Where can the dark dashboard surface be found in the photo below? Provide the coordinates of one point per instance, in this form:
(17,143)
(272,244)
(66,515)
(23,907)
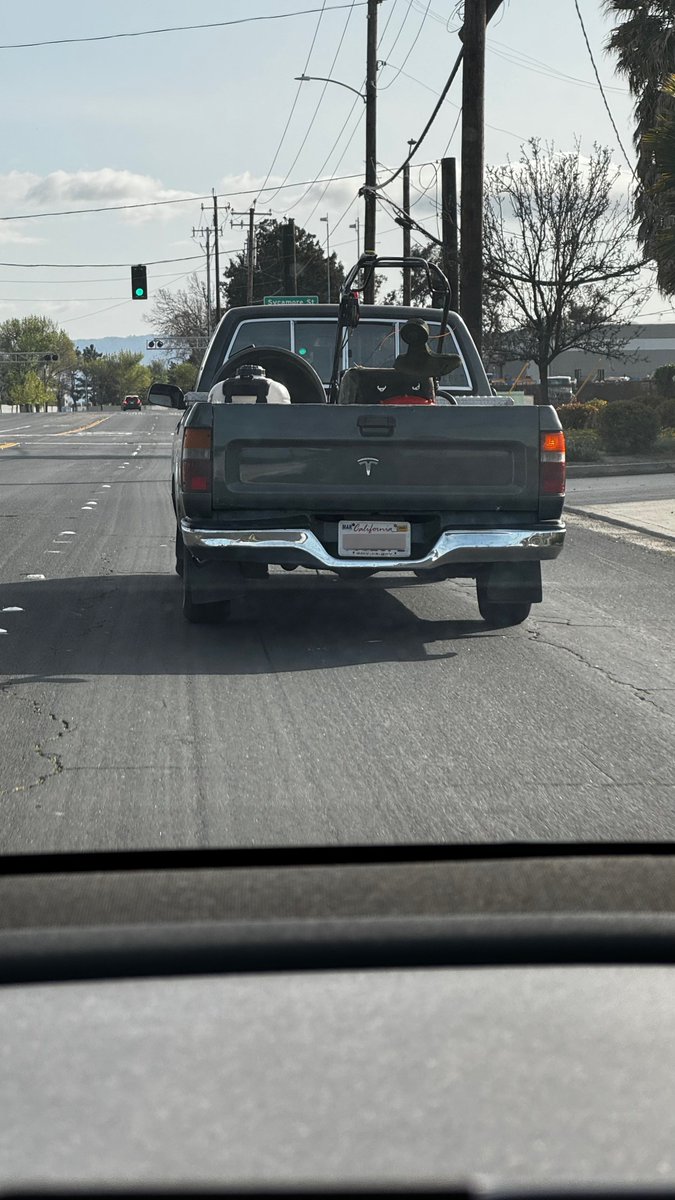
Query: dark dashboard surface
(500,1020)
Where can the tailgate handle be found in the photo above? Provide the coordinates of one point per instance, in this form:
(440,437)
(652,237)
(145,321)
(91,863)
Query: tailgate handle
(376,426)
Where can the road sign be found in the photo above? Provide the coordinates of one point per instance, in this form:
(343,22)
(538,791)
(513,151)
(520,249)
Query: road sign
(290,300)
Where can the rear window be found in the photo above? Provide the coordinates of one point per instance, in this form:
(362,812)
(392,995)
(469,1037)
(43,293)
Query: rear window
(373,344)
(261,333)
(315,341)
(459,378)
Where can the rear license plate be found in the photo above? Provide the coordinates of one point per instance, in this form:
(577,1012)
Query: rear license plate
(374,539)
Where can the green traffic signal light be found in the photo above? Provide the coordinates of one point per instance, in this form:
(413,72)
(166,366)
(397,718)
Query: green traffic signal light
(139,282)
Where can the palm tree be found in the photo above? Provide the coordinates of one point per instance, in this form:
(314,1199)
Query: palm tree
(643,41)
(661,142)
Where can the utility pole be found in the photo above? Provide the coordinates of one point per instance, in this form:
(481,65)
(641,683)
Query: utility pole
(473,113)
(370,203)
(206,234)
(250,245)
(216,255)
(406,227)
(326,222)
(449,227)
(251,254)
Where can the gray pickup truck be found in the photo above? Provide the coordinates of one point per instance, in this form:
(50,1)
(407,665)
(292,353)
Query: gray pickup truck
(454,483)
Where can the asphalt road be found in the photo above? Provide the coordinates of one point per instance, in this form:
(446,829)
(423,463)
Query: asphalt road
(321,716)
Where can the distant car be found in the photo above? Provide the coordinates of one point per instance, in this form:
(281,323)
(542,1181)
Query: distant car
(131,404)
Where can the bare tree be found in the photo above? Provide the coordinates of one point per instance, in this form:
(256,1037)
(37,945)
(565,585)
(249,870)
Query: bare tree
(183,315)
(560,252)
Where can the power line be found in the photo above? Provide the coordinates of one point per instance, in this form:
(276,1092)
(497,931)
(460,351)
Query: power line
(109,37)
(86,266)
(602,90)
(410,49)
(295,102)
(68,212)
(333,178)
(318,105)
(432,118)
(528,63)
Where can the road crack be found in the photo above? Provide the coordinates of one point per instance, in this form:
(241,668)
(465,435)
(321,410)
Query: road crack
(638,693)
(50,757)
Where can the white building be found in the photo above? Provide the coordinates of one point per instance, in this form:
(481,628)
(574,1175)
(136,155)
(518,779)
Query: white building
(647,347)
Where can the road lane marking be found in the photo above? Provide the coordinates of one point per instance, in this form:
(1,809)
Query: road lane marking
(33,576)
(67,531)
(7,445)
(12,608)
(81,428)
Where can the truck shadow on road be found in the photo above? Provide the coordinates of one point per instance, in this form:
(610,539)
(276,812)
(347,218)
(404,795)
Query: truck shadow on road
(72,629)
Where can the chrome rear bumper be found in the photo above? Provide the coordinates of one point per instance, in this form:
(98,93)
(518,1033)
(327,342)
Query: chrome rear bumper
(303,547)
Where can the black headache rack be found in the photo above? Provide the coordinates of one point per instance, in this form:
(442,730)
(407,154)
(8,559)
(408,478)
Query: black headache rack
(348,306)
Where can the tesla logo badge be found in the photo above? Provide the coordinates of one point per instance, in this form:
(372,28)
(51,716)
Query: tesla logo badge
(368,463)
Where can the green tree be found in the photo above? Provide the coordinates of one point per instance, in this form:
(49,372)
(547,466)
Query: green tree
(31,391)
(661,141)
(643,42)
(114,376)
(272,275)
(81,385)
(183,374)
(39,336)
(664,380)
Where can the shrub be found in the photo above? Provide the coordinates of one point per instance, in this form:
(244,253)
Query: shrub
(583,445)
(666,413)
(666,442)
(628,427)
(664,380)
(581,416)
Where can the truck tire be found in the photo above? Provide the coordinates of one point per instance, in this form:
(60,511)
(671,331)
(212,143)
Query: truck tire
(199,612)
(506,592)
(500,615)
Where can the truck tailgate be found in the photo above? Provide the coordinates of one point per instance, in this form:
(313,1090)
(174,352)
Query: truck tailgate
(357,458)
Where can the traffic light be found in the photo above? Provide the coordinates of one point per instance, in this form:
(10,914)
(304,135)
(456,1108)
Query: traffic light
(139,282)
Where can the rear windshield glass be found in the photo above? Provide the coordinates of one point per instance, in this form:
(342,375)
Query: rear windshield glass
(315,341)
(373,344)
(457,378)
(261,333)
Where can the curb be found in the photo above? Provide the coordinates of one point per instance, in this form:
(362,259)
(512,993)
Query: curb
(598,470)
(669,538)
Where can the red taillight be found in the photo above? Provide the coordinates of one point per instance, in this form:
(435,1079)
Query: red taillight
(552,463)
(196,460)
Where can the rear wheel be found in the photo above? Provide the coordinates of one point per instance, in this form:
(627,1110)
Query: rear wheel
(197,611)
(507,591)
(502,614)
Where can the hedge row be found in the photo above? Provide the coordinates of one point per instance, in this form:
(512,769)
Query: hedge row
(621,427)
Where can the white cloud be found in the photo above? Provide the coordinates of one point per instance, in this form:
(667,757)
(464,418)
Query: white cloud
(26,192)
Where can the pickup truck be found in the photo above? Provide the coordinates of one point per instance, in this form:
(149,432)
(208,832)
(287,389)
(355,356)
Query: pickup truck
(460,485)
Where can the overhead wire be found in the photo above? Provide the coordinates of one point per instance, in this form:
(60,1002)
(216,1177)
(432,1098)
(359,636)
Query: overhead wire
(109,37)
(411,47)
(294,104)
(602,91)
(317,106)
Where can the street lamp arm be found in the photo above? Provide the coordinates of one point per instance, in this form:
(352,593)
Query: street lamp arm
(325,79)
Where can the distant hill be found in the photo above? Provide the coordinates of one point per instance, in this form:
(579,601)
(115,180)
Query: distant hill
(113,345)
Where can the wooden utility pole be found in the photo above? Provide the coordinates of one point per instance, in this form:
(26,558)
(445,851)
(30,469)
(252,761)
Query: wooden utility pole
(406,228)
(250,261)
(370,203)
(216,254)
(473,107)
(449,227)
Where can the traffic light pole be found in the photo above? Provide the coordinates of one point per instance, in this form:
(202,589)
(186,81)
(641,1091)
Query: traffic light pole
(406,232)
(371,145)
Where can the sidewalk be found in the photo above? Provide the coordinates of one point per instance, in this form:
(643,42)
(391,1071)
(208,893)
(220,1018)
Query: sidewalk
(619,465)
(653,517)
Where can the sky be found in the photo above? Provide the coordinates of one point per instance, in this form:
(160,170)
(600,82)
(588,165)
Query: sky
(177,115)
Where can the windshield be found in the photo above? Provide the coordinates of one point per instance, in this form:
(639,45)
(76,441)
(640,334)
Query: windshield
(274,621)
